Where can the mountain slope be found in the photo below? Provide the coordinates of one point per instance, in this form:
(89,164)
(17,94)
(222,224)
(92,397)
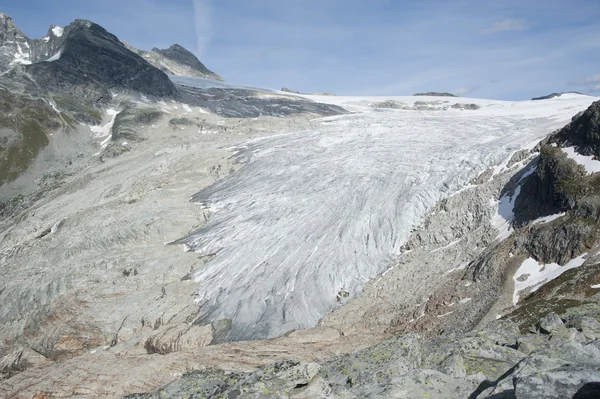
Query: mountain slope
(77,74)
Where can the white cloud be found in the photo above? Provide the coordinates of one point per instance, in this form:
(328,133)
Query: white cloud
(506,25)
(463,91)
(590,80)
(202,19)
(592,83)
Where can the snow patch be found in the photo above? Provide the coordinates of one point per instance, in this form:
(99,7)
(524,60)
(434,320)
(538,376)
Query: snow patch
(588,162)
(460,267)
(595,286)
(46,39)
(55,226)
(58,31)
(505,215)
(21,57)
(548,219)
(449,245)
(104,132)
(532,275)
(55,57)
(527,173)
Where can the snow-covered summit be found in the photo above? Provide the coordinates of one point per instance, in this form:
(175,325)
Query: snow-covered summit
(57,30)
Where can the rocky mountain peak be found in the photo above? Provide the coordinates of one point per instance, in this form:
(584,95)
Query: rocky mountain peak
(583,132)
(185,58)
(89,60)
(55,30)
(14,45)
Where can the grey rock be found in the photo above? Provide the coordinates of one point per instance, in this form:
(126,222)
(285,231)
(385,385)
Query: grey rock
(466,107)
(531,343)
(573,352)
(590,327)
(551,323)
(561,382)
(454,366)
(420,384)
(499,332)
(481,356)
(387,360)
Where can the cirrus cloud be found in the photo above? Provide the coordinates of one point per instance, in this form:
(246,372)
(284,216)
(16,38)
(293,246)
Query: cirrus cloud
(505,26)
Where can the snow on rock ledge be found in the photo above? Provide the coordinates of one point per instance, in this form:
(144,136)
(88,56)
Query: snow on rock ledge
(532,275)
(590,164)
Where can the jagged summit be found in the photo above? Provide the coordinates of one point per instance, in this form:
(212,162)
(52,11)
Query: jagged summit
(14,45)
(86,60)
(17,49)
(176,60)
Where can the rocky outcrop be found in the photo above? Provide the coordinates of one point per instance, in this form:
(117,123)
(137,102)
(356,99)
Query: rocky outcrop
(285,89)
(583,132)
(554,95)
(496,361)
(435,94)
(437,105)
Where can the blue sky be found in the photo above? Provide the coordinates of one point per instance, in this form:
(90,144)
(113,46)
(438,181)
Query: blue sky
(504,49)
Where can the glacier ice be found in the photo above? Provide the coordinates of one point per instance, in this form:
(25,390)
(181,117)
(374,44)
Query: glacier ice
(314,213)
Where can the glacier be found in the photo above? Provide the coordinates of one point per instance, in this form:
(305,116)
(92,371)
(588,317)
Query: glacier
(313,215)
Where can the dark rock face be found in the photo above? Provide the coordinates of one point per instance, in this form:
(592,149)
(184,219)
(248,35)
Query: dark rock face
(551,189)
(553,95)
(238,103)
(183,56)
(560,242)
(583,132)
(90,57)
(435,94)
(82,61)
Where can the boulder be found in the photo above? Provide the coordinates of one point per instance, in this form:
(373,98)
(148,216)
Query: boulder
(562,382)
(550,323)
